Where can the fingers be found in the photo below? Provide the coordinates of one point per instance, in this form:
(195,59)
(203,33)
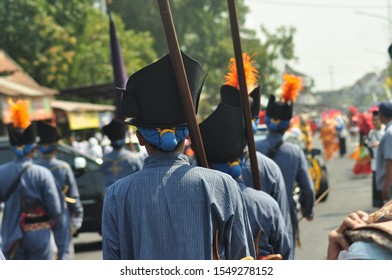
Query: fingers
(353,221)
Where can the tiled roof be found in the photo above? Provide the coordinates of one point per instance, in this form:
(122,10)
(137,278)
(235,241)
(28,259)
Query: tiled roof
(14,81)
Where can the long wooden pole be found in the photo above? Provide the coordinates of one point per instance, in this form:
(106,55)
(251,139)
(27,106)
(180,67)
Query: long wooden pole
(182,81)
(244,94)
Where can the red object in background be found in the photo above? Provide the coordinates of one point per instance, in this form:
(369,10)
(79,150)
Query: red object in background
(353,110)
(262,114)
(365,122)
(313,126)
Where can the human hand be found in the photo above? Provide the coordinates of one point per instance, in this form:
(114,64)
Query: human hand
(336,240)
(76,223)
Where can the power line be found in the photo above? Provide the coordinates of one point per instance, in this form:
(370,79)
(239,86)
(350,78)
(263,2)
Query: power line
(312,5)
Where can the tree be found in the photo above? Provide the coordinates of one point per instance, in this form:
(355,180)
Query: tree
(203,31)
(66,43)
(92,63)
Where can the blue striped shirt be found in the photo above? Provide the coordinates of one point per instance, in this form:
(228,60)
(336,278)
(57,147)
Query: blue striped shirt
(293,164)
(171,210)
(38,189)
(264,214)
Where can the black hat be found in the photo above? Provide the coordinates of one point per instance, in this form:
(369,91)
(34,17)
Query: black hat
(279,110)
(19,137)
(152,97)
(231,96)
(47,133)
(223,134)
(115,130)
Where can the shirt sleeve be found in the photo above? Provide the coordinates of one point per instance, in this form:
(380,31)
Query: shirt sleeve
(239,235)
(75,208)
(387,146)
(110,232)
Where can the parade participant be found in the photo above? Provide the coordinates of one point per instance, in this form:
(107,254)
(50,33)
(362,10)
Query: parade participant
(373,140)
(307,135)
(272,181)
(289,157)
(170,209)
(223,134)
(384,154)
(72,210)
(328,135)
(32,202)
(341,133)
(120,162)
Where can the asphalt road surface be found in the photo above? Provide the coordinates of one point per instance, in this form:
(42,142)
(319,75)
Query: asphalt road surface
(347,193)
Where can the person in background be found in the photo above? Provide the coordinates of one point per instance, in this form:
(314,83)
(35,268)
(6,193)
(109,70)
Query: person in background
(120,162)
(71,207)
(223,135)
(32,202)
(289,157)
(272,181)
(373,140)
(170,209)
(384,153)
(341,132)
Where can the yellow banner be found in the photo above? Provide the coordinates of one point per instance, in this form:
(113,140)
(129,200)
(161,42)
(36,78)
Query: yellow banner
(83,120)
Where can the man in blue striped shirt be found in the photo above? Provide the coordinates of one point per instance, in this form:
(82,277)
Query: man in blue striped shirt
(170,209)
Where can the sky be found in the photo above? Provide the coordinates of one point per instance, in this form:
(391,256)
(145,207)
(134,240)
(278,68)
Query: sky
(337,41)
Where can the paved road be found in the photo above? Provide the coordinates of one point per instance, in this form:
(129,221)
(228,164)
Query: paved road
(348,193)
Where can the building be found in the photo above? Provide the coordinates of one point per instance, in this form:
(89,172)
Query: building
(15,83)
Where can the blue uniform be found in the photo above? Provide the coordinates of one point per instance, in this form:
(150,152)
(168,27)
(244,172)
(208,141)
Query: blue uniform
(272,182)
(118,164)
(171,210)
(38,196)
(293,164)
(67,187)
(264,214)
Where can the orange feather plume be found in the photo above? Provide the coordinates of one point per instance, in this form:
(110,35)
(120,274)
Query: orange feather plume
(250,72)
(291,87)
(20,114)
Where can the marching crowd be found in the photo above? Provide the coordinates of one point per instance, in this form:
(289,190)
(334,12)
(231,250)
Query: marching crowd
(166,207)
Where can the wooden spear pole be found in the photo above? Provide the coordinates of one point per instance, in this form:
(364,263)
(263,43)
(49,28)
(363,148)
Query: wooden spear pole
(244,94)
(182,81)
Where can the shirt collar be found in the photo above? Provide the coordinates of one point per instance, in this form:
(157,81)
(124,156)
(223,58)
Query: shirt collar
(165,159)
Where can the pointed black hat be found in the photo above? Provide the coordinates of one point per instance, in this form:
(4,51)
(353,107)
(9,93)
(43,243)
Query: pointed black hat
(47,133)
(279,110)
(152,97)
(115,130)
(231,96)
(19,137)
(223,134)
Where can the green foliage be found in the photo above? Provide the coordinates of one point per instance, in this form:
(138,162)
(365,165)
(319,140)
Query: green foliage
(66,43)
(203,30)
(92,63)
